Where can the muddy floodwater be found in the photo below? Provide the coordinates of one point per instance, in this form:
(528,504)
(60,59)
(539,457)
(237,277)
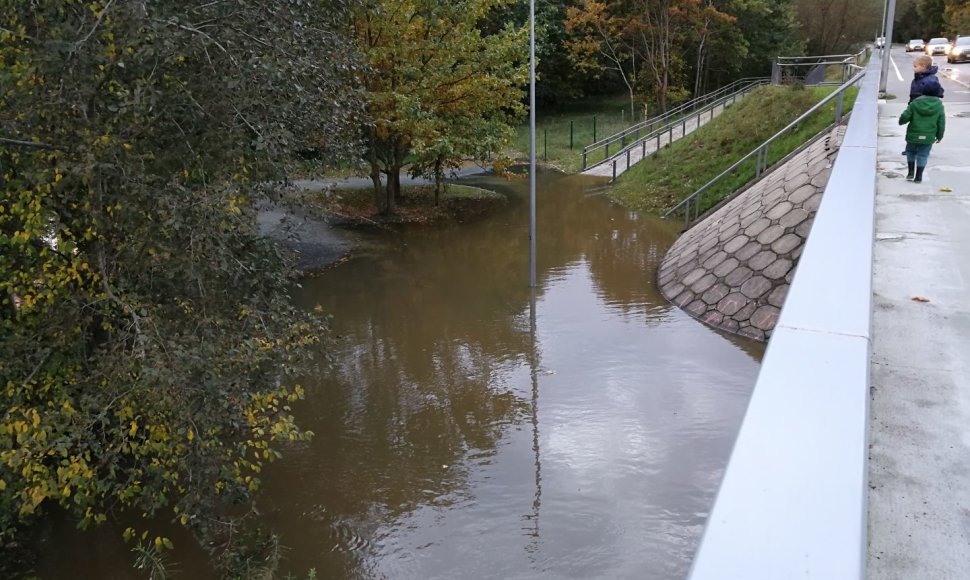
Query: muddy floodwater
(469,428)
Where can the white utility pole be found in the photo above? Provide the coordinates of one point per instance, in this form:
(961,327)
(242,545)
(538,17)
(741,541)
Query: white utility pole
(887,45)
(532,143)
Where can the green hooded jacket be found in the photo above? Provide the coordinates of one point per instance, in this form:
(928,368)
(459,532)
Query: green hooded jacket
(926,120)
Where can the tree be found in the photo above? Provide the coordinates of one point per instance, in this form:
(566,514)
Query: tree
(707,20)
(643,41)
(432,70)
(834,26)
(746,47)
(933,14)
(601,41)
(148,342)
(957,17)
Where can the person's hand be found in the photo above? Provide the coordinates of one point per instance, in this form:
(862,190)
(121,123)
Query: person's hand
(938,140)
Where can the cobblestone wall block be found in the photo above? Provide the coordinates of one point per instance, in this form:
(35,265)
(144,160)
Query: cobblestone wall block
(733,269)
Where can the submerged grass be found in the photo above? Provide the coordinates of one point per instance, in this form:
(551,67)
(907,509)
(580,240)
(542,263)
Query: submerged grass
(678,170)
(416,206)
(611,114)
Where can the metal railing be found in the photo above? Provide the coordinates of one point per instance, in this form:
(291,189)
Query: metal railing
(662,123)
(789,69)
(691,205)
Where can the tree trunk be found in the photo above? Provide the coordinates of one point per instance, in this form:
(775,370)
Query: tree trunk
(390,198)
(375,170)
(437,182)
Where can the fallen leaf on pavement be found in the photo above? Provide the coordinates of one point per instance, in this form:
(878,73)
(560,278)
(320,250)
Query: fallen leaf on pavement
(945,189)
(920,299)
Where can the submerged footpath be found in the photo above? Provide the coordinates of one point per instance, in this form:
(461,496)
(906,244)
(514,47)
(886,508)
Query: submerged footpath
(318,222)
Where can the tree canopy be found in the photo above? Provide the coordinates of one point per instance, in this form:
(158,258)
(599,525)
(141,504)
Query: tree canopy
(438,86)
(147,342)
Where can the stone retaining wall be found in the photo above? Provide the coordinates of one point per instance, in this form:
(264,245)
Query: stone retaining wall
(732,270)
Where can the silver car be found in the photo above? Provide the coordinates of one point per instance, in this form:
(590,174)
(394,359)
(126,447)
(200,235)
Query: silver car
(915,45)
(937,46)
(960,51)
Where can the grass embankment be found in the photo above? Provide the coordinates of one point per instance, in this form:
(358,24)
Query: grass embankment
(612,115)
(678,170)
(416,206)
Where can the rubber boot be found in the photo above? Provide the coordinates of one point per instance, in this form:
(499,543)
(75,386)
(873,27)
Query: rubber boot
(910,165)
(919,175)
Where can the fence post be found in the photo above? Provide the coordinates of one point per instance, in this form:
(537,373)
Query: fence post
(614,170)
(594,128)
(570,135)
(584,159)
(643,149)
(545,144)
(838,108)
(607,154)
(628,159)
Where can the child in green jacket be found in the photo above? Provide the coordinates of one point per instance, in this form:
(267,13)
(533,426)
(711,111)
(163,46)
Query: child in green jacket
(926,124)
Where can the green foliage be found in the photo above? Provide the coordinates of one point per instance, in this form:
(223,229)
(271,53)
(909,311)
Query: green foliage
(665,178)
(438,87)
(932,14)
(147,342)
(838,26)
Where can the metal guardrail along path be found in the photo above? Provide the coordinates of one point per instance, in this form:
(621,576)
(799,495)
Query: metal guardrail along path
(691,206)
(633,143)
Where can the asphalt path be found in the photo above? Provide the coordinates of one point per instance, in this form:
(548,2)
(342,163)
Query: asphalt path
(955,78)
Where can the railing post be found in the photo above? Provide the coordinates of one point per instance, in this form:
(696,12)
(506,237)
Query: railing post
(594,128)
(643,149)
(628,159)
(570,135)
(838,108)
(607,155)
(614,170)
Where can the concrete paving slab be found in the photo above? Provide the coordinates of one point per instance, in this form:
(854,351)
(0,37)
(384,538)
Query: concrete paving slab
(919,468)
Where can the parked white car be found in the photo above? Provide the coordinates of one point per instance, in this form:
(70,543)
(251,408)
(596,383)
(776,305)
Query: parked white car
(937,46)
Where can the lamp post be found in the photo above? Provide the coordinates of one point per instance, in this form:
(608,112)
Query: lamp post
(532,144)
(888,44)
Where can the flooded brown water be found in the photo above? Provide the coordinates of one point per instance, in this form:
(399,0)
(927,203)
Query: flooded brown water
(467,430)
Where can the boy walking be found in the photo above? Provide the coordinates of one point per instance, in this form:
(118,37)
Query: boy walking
(927,123)
(924,78)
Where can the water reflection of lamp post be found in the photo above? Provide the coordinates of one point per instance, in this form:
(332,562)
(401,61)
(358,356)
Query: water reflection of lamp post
(532,143)
(533,531)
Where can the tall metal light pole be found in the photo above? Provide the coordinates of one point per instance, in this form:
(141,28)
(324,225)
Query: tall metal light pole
(532,143)
(887,45)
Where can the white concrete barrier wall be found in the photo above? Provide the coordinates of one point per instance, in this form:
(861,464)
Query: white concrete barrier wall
(793,500)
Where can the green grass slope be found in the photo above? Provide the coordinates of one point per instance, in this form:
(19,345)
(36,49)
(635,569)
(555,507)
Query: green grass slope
(670,175)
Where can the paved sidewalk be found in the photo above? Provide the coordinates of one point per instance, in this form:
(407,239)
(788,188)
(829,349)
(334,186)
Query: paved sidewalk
(919,471)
